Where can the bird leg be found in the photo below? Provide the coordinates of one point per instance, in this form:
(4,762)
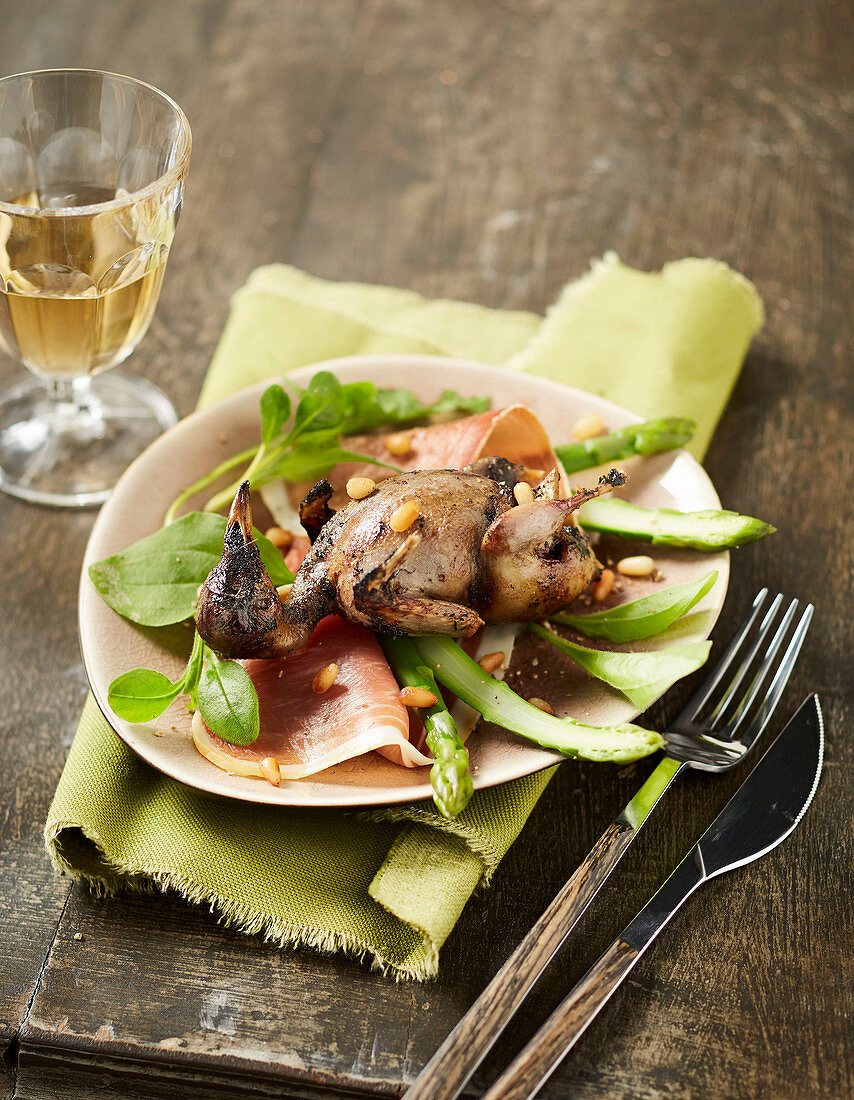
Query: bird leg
(239,613)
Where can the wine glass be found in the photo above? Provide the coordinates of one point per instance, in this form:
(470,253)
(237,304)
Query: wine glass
(92,170)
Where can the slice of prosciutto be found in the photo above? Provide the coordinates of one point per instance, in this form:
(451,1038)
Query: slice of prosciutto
(306,732)
(512,432)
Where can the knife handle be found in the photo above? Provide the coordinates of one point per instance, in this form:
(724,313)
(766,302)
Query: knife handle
(450,1068)
(531,1069)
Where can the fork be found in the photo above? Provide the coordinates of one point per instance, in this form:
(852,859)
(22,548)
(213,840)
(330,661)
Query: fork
(715,742)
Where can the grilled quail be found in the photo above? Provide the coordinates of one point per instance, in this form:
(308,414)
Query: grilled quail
(470,555)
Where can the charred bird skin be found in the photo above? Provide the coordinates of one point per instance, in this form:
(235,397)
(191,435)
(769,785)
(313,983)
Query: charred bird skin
(472,555)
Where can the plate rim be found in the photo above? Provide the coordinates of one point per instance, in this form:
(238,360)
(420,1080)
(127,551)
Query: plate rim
(352,799)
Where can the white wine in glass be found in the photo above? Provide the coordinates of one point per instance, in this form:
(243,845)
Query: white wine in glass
(92,170)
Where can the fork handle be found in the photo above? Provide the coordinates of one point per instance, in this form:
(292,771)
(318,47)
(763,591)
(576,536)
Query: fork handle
(450,1068)
(529,1071)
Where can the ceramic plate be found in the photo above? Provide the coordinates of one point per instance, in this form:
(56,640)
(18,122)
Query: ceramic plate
(192,448)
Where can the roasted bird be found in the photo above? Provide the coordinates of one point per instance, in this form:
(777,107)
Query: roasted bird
(427,552)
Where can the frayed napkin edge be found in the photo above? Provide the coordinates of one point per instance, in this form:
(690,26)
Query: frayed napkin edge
(140,879)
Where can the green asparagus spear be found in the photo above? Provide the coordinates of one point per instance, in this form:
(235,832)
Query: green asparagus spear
(637,439)
(452,785)
(498,703)
(708,530)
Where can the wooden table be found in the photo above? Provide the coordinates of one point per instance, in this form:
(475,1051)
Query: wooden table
(485,151)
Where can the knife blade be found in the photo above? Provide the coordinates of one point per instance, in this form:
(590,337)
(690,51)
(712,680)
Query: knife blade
(764,810)
(759,816)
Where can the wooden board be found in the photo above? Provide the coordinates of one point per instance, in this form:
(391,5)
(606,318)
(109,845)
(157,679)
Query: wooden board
(484,151)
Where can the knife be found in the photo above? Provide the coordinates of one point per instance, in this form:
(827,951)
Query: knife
(760,815)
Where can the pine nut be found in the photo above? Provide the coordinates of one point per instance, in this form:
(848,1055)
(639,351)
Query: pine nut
(588,426)
(324,679)
(403,517)
(269,768)
(491,661)
(398,443)
(360,487)
(604,585)
(541,704)
(523,493)
(284,591)
(279,537)
(417,697)
(639,566)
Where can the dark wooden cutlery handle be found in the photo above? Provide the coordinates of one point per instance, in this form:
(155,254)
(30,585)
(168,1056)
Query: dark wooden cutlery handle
(447,1072)
(524,1076)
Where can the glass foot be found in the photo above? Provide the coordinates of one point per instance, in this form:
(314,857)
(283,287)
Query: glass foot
(67,445)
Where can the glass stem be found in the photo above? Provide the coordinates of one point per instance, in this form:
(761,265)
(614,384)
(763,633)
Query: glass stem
(75,393)
(61,390)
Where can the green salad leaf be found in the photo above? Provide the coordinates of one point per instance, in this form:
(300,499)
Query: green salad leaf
(641,677)
(326,412)
(142,694)
(638,619)
(275,412)
(228,701)
(156,580)
(399,407)
(193,672)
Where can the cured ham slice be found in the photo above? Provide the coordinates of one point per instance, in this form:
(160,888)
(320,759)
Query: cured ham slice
(307,733)
(300,547)
(361,712)
(512,432)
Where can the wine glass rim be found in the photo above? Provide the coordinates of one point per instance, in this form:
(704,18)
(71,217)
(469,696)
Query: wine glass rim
(175,172)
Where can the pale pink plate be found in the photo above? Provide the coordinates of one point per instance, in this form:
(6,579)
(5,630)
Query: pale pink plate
(192,448)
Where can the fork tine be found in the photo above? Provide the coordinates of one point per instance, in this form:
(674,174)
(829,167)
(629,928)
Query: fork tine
(701,696)
(763,637)
(754,686)
(778,683)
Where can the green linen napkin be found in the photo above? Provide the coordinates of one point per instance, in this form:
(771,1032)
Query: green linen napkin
(388,886)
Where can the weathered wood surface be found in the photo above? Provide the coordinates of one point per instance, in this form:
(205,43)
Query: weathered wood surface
(484,151)
(536,1062)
